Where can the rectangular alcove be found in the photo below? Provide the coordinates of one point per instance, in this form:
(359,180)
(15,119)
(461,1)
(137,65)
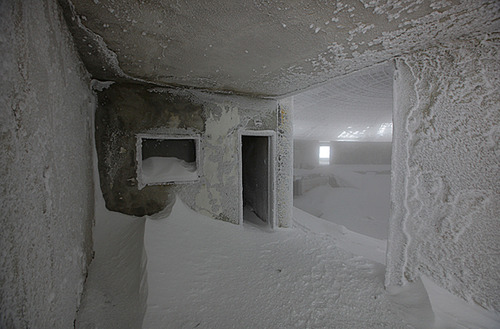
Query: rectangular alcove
(166,159)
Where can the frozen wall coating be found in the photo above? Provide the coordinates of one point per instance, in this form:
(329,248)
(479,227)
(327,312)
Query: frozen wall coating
(46,189)
(446,217)
(284,154)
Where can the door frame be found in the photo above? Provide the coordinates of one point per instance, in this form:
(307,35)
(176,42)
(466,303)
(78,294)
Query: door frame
(271,153)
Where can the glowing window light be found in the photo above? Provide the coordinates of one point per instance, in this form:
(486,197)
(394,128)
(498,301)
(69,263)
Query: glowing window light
(324,154)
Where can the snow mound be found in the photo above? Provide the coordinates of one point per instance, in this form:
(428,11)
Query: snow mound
(360,201)
(167,169)
(205,273)
(359,244)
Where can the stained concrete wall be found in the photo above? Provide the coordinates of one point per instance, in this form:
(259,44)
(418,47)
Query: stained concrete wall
(46,186)
(305,154)
(361,153)
(125,110)
(445,192)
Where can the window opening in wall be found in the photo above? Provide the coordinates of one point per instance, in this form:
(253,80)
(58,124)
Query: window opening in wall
(324,155)
(167,159)
(257,182)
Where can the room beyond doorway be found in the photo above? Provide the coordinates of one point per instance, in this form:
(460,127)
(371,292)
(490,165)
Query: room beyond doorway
(343,149)
(257,178)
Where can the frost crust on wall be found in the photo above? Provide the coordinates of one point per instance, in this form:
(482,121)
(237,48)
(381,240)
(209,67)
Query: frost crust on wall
(446,196)
(46,186)
(284,177)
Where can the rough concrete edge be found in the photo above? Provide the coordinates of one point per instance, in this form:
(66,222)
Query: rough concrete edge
(284,152)
(398,240)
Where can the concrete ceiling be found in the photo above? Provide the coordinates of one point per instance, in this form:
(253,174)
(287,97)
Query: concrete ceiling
(355,107)
(264,48)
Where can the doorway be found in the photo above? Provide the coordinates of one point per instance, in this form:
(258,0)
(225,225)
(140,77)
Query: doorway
(257,178)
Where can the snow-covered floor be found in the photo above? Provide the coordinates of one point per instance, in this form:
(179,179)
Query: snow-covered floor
(361,202)
(204,273)
(212,274)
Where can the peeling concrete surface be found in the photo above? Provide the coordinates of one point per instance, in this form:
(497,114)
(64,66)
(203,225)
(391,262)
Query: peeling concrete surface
(218,192)
(126,110)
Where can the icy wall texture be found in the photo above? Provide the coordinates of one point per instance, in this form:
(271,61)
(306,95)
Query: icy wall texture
(284,158)
(446,201)
(128,109)
(46,186)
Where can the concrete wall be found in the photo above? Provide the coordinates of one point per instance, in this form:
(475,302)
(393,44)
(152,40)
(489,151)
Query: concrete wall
(445,184)
(128,109)
(361,153)
(46,185)
(305,154)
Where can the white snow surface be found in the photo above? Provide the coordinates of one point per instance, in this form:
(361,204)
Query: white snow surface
(361,202)
(211,274)
(167,169)
(205,273)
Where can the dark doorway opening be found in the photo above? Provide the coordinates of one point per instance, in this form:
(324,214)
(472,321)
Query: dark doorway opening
(256,180)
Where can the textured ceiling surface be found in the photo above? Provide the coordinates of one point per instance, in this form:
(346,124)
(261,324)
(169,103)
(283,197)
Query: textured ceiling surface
(356,107)
(266,48)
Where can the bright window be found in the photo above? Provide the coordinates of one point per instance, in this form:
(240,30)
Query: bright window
(324,154)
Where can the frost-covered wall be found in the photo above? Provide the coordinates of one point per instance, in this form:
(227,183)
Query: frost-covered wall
(446,202)
(46,185)
(126,110)
(284,158)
